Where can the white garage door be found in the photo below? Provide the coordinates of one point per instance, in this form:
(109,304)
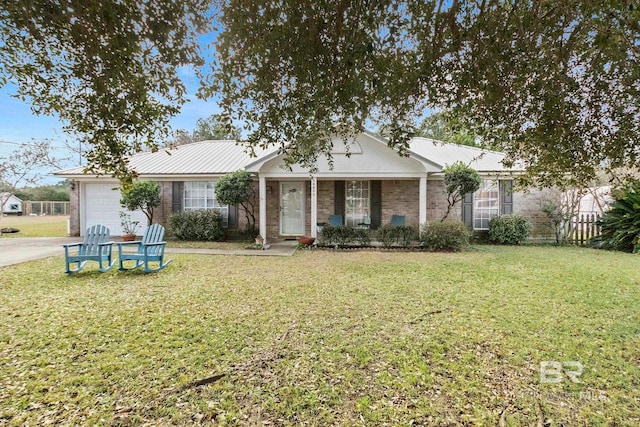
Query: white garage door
(102,206)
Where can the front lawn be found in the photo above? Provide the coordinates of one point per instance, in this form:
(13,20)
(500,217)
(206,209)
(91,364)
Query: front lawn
(35,226)
(326,338)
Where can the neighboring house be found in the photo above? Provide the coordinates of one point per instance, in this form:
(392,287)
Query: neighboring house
(371,182)
(11,204)
(594,201)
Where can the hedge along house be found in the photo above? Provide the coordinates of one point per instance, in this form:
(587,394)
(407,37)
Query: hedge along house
(368,184)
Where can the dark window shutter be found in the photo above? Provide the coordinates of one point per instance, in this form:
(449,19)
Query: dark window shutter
(467,210)
(177,195)
(233,217)
(376,204)
(506,196)
(339,198)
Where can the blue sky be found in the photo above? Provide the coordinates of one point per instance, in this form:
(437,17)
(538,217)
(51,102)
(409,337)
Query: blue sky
(19,125)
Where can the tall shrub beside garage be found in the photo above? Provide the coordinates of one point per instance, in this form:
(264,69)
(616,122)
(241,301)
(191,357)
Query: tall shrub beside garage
(142,195)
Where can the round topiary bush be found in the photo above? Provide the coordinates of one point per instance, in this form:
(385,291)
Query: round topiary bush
(509,229)
(445,236)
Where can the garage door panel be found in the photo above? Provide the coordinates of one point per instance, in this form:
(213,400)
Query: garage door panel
(102,206)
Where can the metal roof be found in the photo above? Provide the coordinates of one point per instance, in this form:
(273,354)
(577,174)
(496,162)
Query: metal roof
(198,158)
(222,157)
(445,154)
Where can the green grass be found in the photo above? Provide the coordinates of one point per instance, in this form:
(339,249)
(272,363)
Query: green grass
(326,338)
(35,226)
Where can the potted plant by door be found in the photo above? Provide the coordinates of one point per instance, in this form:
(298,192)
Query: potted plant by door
(259,240)
(129,227)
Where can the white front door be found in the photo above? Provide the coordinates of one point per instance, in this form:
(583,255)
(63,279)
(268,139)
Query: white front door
(292,208)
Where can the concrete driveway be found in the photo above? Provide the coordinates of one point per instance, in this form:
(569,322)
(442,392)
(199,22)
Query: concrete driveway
(21,249)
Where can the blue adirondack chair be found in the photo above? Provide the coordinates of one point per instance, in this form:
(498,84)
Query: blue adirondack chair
(149,250)
(335,220)
(397,220)
(95,247)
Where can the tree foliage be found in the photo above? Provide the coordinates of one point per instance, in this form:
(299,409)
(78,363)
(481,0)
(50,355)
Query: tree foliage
(213,128)
(553,83)
(236,188)
(107,68)
(57,193)
(459,180)
(143,195)
(443,127)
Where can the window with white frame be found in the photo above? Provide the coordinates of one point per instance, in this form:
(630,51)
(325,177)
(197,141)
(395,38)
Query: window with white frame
(357,202)
(202,195)
(486,204)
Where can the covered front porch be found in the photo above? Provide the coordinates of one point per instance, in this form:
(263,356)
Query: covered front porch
(295,207)
(366,182)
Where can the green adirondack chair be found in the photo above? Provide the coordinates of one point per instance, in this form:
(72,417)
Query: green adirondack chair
(95,247)
(149,250)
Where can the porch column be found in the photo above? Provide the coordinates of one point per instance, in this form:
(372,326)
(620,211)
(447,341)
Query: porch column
(314,206)
(262,191)
(422,212)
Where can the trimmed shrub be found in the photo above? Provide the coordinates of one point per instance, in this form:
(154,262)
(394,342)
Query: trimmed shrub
(361,235)
(509,229)
(342,236)
(390,235)
(202,225)
(407,235)
(386,235)
(445,236)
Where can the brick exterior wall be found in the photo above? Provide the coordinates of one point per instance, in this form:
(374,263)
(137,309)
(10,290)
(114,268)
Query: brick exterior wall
(164,211)
(437,202)
(530,204)
(399,197)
